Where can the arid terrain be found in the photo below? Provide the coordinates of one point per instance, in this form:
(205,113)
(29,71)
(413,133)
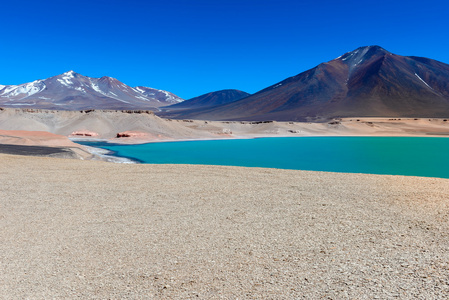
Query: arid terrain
(96,230)
(92,229)
(144,126)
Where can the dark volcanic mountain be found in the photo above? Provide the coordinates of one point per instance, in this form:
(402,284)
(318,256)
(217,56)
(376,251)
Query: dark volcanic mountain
(368,81)
(208,100)
(73,91)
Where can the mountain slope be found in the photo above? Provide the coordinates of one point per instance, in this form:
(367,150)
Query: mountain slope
(160,95)
(368,81)
(208,100)
(73,91)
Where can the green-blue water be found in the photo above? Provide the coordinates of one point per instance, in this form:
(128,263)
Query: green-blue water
(375,155)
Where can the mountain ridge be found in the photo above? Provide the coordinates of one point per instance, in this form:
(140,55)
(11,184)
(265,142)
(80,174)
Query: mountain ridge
(369,81)
(73,91)
(366,82)
(208,100)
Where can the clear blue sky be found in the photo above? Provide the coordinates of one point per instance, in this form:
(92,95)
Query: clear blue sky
(191,47)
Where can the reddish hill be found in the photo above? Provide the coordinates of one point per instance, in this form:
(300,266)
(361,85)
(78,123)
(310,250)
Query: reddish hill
(368,81)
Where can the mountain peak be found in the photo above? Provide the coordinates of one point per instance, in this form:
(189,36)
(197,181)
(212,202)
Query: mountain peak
(70,73)
(362,54)
(107,78)
(372,47)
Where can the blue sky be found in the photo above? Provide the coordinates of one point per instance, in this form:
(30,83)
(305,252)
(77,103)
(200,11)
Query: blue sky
(191,47)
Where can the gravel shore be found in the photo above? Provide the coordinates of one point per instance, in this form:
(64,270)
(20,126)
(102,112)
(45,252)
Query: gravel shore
(33,150)
(90,229)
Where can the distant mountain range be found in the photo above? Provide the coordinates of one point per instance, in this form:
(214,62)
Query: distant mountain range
(368,81)
(207,100)
(73,91)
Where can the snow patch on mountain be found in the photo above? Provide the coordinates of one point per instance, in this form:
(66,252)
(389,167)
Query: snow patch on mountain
(109,94)
(23,90)
(70,73)
(80,89)
(139,90)
(146,99)
(424,82)
(96,87)
(159,95)
(66,78)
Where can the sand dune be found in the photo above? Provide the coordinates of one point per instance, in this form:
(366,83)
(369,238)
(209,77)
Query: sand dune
(86,229)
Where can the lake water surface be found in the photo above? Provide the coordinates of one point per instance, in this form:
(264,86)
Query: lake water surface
(417,156)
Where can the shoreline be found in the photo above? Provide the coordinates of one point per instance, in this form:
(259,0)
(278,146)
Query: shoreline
(150,141)
(113,142)
(110,156)
(131,129)
(424,166)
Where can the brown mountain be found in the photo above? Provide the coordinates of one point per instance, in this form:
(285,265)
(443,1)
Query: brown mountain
(368,81)
(206,100)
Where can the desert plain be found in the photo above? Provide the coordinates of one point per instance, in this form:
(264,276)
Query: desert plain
(144,126)
(79,228)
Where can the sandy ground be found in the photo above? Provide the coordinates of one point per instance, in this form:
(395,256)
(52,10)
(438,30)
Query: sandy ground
(87,229)
(34,138)
(146,127)
(42,143)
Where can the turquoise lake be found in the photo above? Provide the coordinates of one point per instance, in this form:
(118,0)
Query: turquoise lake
(417,156)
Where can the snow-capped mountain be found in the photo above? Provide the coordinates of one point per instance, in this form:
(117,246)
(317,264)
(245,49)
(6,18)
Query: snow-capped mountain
(73,91)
